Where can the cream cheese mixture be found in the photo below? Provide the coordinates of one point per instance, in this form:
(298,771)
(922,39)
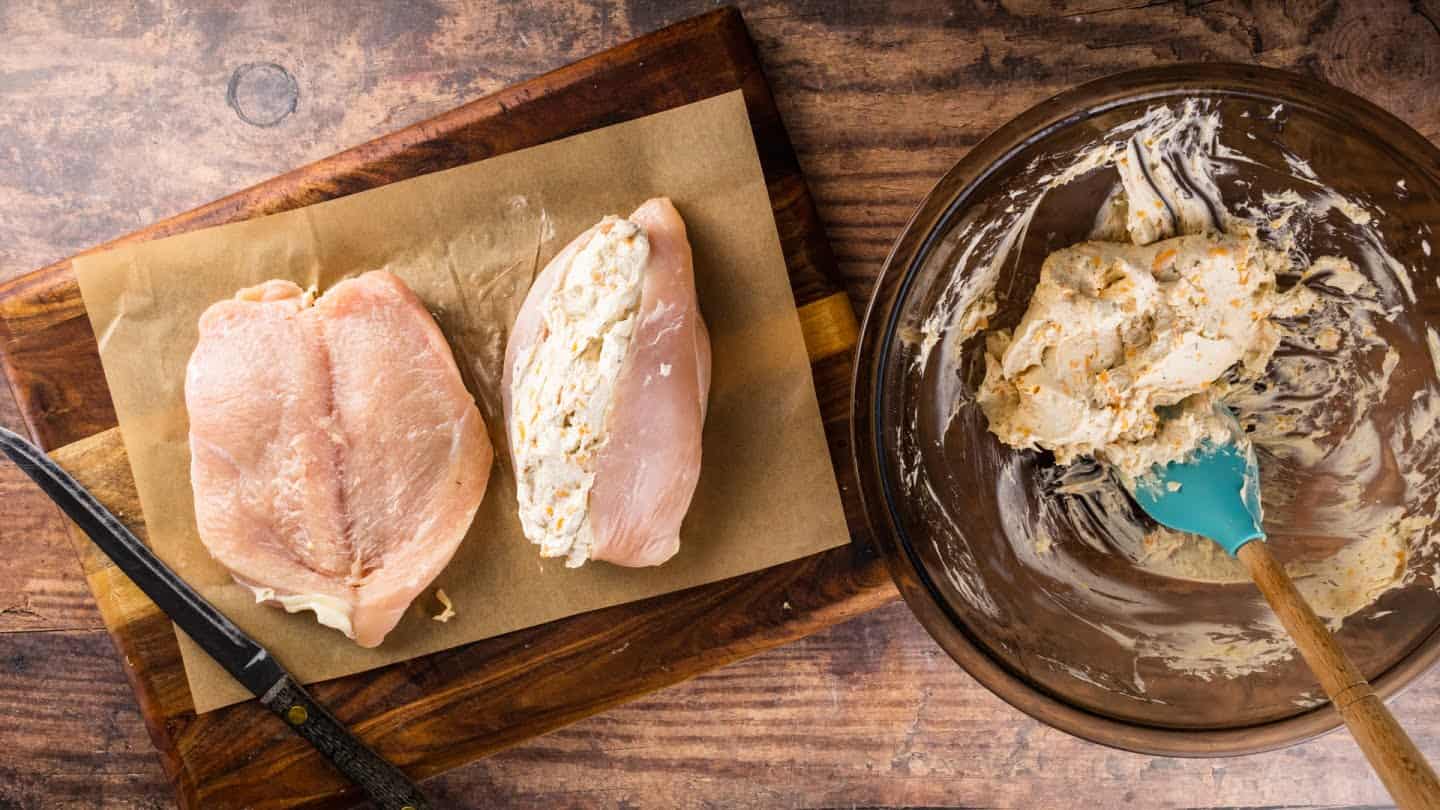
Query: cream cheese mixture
(1121,350)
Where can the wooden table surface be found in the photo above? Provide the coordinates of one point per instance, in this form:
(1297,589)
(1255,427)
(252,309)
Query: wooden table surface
(115,114)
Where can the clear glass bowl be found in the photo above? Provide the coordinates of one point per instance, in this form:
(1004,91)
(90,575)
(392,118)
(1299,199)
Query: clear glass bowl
(1037,644)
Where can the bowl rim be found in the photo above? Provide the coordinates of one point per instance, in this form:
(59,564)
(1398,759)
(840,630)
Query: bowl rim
(924,228)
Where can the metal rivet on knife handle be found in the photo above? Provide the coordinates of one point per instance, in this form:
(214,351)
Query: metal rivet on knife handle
(296,715)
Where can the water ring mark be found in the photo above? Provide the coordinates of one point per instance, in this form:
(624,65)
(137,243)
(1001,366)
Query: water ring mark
(262,94)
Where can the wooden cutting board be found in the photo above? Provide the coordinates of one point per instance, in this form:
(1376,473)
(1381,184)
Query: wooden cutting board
(448,708)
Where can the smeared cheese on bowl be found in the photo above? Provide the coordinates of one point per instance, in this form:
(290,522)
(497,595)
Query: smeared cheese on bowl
(566,384)
(1176,302)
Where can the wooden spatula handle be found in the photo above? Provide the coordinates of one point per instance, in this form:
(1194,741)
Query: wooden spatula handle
(1400,765)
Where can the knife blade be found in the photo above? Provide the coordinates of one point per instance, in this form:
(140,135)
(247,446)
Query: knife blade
(241,656)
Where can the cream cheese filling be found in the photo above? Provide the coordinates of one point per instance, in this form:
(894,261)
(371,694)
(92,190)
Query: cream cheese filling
(1123,348)
(564,384)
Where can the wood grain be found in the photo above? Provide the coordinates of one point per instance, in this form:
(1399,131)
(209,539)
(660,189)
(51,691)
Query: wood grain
(829,326)
(879,98)
(40,586)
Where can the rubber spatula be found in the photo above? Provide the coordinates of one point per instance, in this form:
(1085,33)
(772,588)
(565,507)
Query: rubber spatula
(1216,493)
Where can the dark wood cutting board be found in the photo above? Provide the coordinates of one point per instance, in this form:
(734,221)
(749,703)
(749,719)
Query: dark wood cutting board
(448,708)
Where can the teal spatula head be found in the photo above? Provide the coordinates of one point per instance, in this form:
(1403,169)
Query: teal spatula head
(1215,493)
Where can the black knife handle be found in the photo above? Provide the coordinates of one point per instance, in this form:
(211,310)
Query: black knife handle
(382,782)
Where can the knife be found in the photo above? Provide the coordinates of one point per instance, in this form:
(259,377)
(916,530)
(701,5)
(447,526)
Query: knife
(240,655)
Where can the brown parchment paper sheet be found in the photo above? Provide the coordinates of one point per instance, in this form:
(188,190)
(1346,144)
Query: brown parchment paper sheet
(468,241)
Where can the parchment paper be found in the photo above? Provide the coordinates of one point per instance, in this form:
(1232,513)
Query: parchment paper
(469,241)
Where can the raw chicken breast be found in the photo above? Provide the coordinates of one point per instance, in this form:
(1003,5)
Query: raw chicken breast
(607,373)
(336,457)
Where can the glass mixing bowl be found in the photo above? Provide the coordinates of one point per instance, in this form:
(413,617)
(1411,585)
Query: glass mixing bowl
(947,516)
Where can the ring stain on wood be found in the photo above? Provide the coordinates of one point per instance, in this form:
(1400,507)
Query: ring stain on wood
(262,93)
